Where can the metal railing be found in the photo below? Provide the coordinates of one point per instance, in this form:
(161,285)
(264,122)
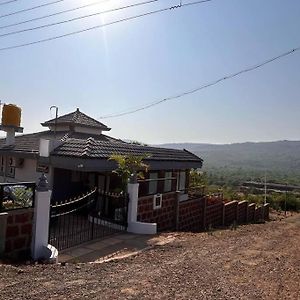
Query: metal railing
(17,195)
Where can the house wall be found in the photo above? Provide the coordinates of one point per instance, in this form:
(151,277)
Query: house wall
(27,172)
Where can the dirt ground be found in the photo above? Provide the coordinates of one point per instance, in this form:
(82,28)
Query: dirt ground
(259,261)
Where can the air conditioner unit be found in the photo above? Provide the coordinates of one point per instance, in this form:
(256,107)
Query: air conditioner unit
(19,162)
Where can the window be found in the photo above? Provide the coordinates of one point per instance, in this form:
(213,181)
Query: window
(10,172)
(168,182)
(153,183)
(157,201)
(2,165)
(181,180)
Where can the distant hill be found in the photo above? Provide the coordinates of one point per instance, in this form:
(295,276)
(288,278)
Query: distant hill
(281,157)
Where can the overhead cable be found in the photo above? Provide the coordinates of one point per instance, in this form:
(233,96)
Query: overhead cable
(78,18)
(103,25)
(54,14)
(31,8)
(215,82)
(8,2)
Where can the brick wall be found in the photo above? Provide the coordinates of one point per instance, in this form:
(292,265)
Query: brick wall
(190,216)
(266,211)
(251,212)
(165,217)
(258,215)
(196,214)
(19,232)
(230,212)
(242,212)
(214,214)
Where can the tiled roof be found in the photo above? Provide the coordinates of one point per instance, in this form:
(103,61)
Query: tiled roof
(29,143)
(83,145)
(77,118)
(99,149)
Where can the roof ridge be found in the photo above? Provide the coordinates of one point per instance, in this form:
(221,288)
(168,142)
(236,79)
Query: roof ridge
(87,150)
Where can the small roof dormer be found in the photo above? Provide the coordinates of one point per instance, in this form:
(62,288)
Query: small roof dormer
(76,121)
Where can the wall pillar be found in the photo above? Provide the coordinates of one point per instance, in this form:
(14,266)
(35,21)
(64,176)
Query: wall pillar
(3,225)
(41,220)
(133,191)
(133,225)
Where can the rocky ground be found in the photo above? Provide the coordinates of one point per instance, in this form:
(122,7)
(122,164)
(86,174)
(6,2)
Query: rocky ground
(259,261)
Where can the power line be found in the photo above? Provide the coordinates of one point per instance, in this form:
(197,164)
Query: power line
(8,2)
(249,69)
(103,25)
(54,14)
(31,8)
(78,18)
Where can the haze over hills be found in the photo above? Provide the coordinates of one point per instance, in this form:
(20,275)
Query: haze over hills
(280,157)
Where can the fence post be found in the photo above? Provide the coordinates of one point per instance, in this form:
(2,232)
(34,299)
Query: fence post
(223,217)
(247,212)
(237,212)
(41,220)
(3,225)
(177,211)
(133,192)
(204,213)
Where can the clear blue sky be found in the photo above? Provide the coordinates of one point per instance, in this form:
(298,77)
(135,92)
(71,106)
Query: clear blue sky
(133,63)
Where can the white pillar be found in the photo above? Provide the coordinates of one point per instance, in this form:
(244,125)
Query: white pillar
(41,224)
(40,233)
(133,191)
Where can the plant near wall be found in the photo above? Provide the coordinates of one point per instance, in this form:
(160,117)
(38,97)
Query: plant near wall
(130,168)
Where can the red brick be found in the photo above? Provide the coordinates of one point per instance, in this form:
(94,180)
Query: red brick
(10,220)
(22,218)
(19,243)
(26,229)
(28,242)
(8,246)
(12,231)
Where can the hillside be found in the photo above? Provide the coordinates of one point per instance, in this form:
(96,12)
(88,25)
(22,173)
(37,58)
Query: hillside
(281,160)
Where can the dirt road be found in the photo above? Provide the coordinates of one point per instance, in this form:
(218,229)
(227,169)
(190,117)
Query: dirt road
(260,261)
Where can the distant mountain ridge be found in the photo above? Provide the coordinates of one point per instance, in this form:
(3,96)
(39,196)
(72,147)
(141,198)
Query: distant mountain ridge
(279,156)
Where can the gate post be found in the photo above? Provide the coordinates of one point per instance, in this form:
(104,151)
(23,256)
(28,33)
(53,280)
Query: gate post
(41,218)
(133,191)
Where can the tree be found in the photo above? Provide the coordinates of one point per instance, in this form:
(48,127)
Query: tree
(129,167)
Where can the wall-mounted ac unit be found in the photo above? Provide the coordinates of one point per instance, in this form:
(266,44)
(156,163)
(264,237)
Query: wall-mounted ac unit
(19,162)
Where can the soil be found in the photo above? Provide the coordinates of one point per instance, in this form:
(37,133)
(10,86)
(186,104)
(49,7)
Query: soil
(257,261)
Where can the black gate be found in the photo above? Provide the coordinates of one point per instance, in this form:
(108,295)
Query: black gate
(91,216)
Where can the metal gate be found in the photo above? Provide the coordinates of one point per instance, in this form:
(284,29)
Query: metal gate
(92,216)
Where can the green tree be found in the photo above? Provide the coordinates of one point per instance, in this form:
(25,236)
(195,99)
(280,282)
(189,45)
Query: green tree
(129,168)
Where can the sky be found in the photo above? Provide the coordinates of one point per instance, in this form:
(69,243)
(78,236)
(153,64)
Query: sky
(130,64)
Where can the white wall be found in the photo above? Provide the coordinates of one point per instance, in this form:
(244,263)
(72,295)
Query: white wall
(28,173)
(87,130)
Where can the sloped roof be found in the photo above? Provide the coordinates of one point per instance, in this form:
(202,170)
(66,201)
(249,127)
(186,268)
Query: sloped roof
(100,149)
(77,118)
(29,143)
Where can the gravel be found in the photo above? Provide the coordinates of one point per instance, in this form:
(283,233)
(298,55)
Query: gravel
(258,261)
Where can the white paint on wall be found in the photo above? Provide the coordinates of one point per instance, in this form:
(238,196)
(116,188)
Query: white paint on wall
(28,173)
(87,130)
